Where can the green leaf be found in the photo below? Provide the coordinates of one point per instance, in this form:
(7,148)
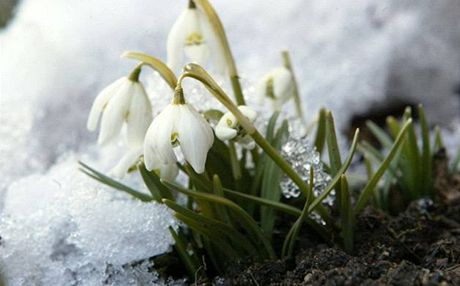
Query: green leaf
(426,165)
(181,248)
(247,222)
(154,185)
(216,227)
(113,183)
(370,186)
(332,146)
(338,175)
(346,216)
(270,182)
(320,136)
(289,242)
(379,134)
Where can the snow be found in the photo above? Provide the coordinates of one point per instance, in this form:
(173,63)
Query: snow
(64,225)
(59,227)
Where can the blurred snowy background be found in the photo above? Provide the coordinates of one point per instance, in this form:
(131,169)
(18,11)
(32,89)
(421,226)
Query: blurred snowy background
(58,227)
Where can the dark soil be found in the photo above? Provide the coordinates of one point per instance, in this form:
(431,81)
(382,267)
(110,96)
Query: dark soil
(419,246)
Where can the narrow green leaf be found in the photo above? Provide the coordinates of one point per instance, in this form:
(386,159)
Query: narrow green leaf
(154,185)
(113,183)
(254,231)
(232,235)
(181,249)
(426,164)
(320,136)
(346,216)
(338,175)
(370,186)
(332,146)
(455,165)
(270,188)
(438,143)
(379,134)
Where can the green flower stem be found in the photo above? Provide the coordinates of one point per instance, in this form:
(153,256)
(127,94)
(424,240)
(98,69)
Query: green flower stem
(236,168)
(218,28)
(156,64)
(298,103)
(134,75)
(197,72)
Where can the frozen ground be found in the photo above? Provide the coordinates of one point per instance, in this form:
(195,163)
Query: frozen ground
(56,55)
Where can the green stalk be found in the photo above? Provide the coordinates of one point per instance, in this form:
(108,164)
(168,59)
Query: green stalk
(156,64)
(218,28)
(298,103)
(236,168)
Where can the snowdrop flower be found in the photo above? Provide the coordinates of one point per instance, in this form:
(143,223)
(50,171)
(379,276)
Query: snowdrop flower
(192,36)
(277,86)
(179,124)
(228,127)
(125,100)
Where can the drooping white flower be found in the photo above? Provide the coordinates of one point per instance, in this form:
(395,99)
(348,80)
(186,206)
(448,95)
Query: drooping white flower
(193,37)
(178,125)
(277,86)
(228,127)
(123,101)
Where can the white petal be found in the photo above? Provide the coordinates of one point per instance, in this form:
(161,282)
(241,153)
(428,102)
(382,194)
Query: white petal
(139,116)
(158,137)
(129,159)
(168,172)
(247,142)
(225,133)
(115,113)
(261,89)
(197,54)
(175,42)
(217,52)
(247,111)
(101,101)
(195,137)
(282,83)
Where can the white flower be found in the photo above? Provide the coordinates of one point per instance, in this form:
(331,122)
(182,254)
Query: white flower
(124,100)
(228,127)
(128,160)
(193,36)
(277,86)
(178,125)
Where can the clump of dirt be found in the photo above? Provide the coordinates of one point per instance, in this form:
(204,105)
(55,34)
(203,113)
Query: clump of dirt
(419,246)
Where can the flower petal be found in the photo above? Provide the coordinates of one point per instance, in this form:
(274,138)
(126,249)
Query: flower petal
(247,111)
(195,136)
(158,138)
(101,101)
(225,133)
(129,159)
(282,83)
(197,54)
(115,113)
(176,39)
(168,172)
(139,116)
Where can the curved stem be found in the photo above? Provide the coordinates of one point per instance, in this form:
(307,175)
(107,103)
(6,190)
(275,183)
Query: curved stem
(195,71)
(218,28)
(298,103)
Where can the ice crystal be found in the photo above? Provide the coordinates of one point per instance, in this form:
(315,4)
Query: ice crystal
(302,156)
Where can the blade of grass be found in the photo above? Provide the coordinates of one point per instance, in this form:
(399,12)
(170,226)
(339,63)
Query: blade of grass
(181,248)
(380,134)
